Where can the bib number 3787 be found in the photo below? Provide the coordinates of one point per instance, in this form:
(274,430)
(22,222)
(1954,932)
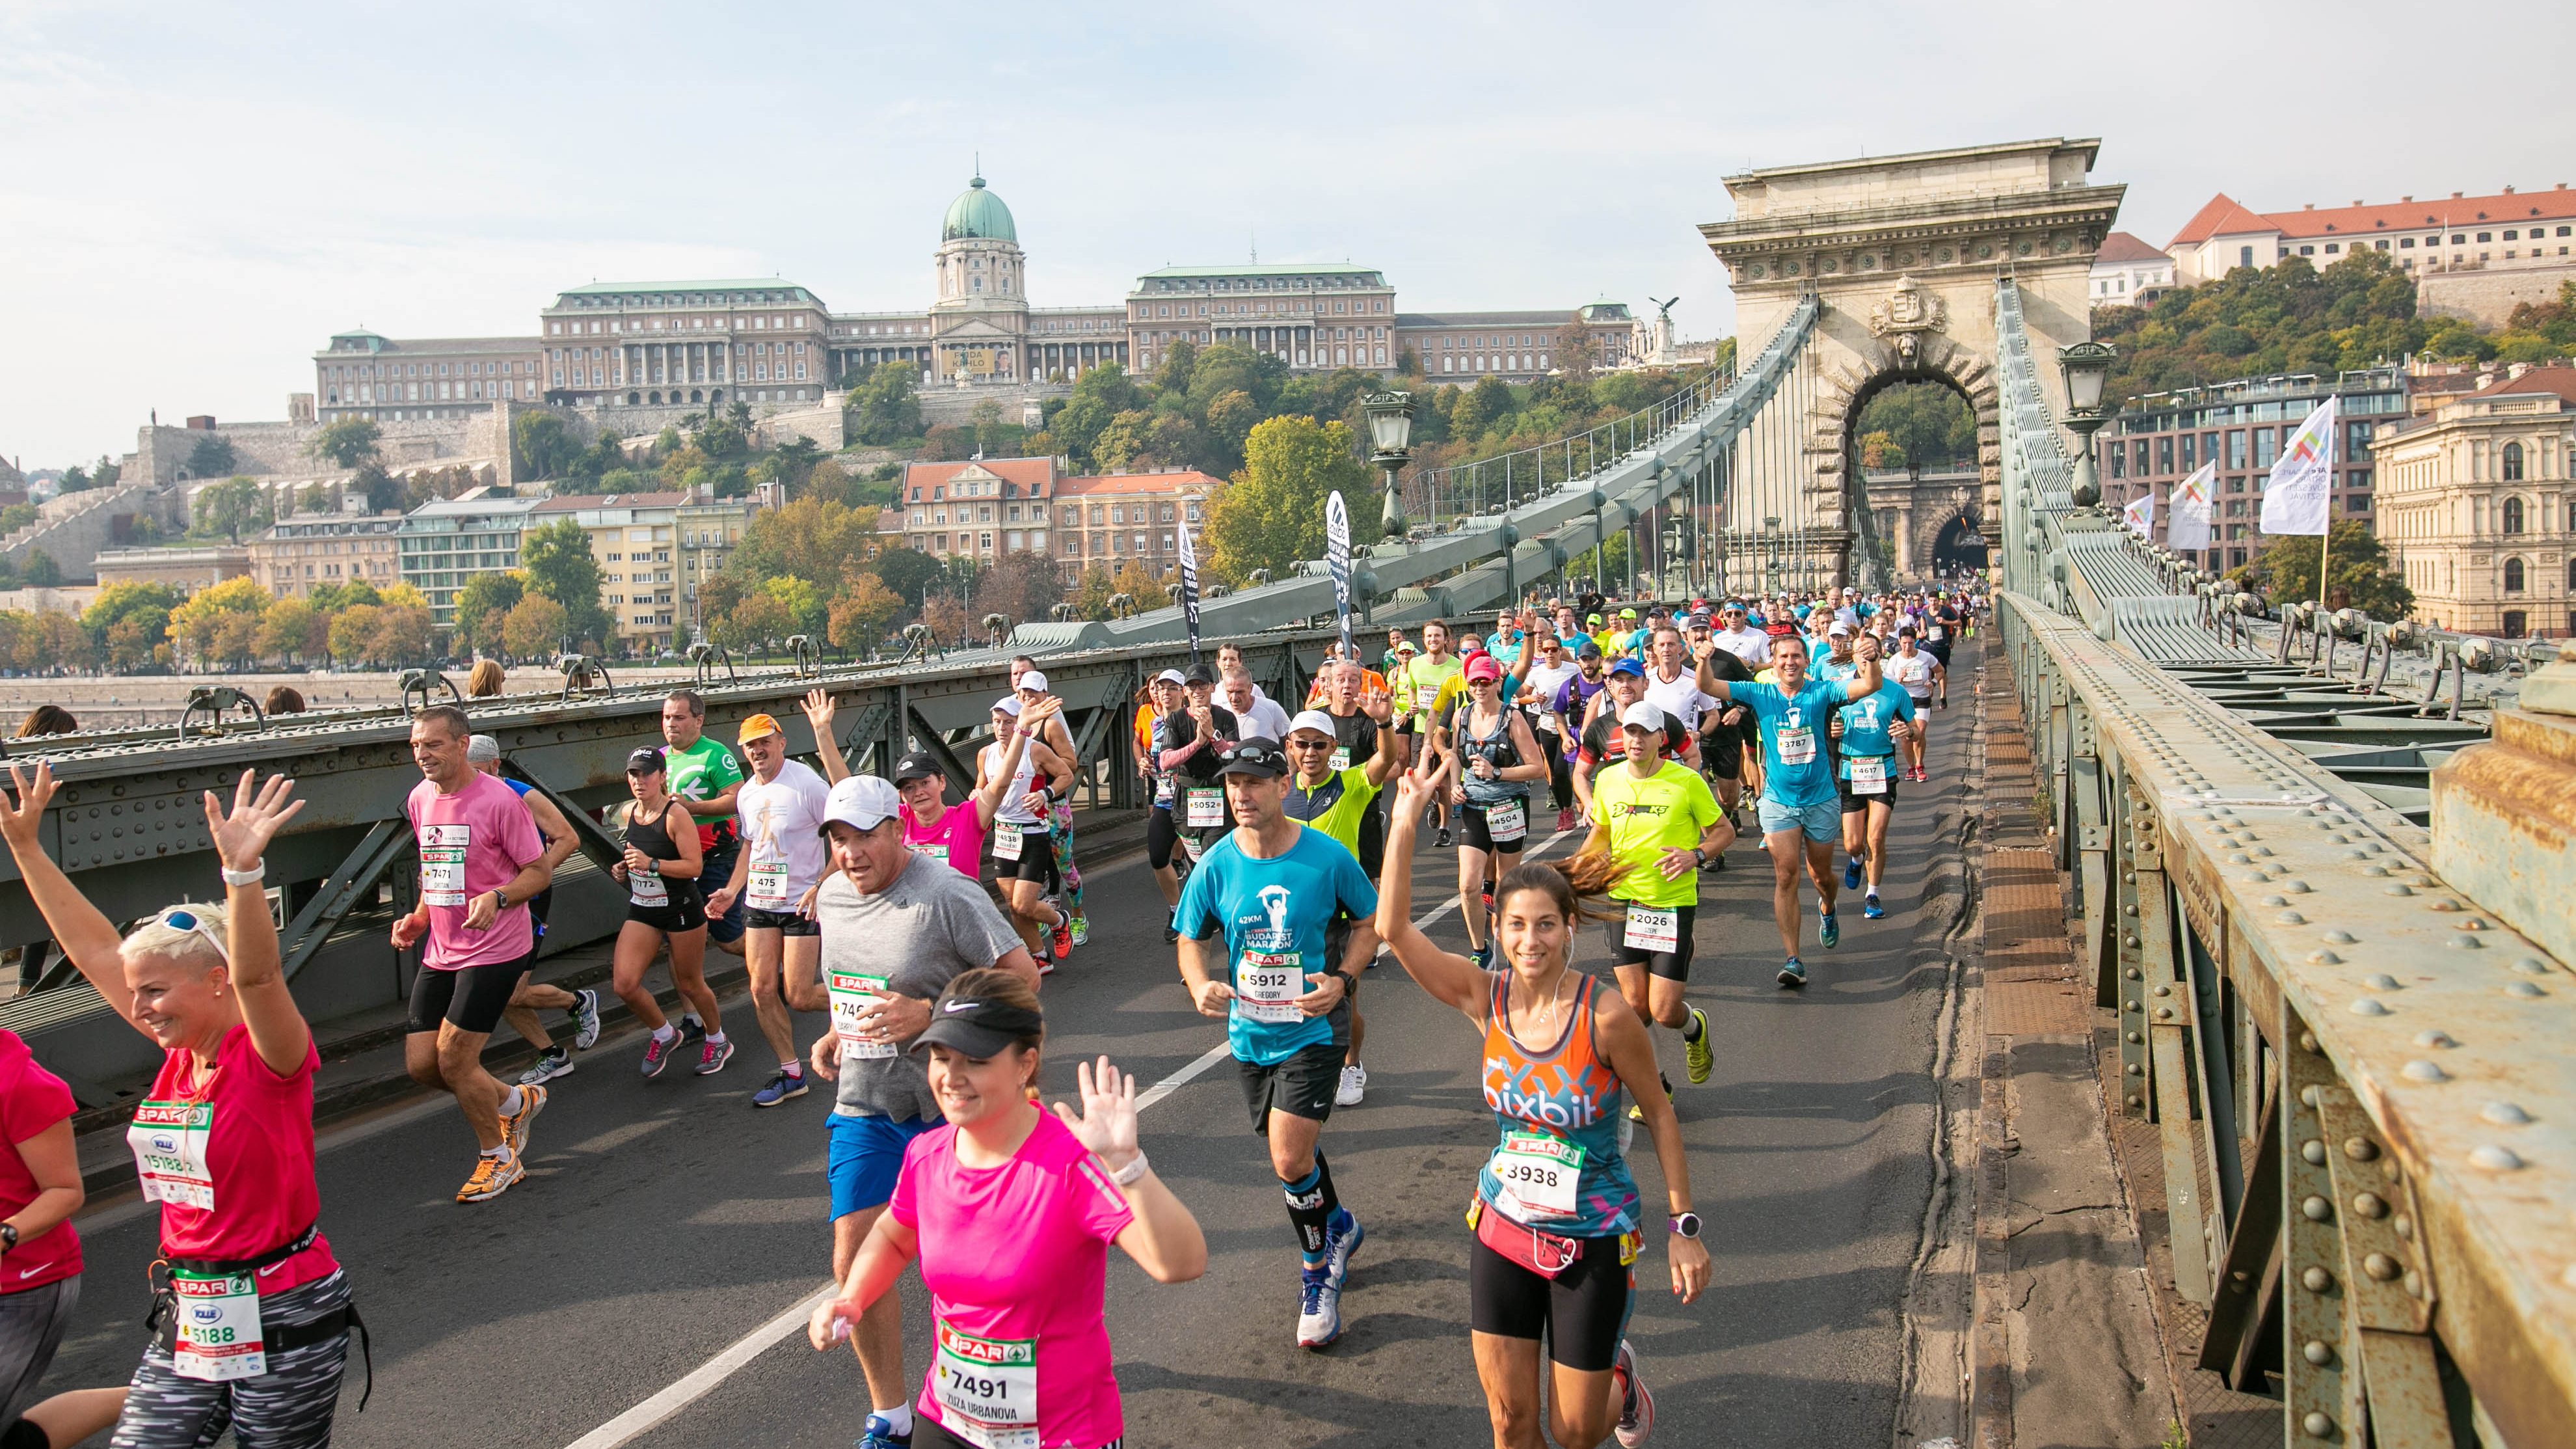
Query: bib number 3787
(986,1388)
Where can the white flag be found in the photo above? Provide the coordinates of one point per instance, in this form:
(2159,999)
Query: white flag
(2140,515)
(2295,500)
(2187,511)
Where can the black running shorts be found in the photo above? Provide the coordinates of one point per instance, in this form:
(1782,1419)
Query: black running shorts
(472,998)
(1581,1312)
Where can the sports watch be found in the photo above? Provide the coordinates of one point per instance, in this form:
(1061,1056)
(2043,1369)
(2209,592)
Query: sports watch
(1685,1225)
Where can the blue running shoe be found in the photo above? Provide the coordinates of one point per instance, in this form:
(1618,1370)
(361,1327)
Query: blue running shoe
(1794,974)
(782,1086)
(1828,929)
(1319,1309)
(1342,1237)
(1851,874)
(1870,908)
(881,1435)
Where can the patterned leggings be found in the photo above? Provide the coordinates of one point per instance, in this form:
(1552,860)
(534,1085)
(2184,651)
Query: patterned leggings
(1060,834)
(288,1407)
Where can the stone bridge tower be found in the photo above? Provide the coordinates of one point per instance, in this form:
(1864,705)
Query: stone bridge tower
(1904,251)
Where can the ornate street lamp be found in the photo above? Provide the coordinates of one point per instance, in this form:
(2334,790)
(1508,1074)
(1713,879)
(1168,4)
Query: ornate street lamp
(1390,421)
(2087,367)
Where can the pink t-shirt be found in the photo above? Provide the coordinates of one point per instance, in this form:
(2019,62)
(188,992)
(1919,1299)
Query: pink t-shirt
(31,1101)
(472,842)
(259,1156)
(1018,1252)
(958,838)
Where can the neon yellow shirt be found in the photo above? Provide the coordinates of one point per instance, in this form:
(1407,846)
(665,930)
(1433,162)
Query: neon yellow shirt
(1668,810)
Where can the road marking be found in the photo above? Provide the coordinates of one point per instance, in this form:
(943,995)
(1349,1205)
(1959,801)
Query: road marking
(695,1384)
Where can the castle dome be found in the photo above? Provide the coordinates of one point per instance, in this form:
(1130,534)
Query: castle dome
(977,212)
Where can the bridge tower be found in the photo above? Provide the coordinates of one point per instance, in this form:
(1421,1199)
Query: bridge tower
(1903,252)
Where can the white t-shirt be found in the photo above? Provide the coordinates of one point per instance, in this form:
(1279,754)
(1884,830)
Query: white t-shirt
(1680,698)
(1913,671)
(782,823)
(1750,645)
(1265,719)
(1547,679)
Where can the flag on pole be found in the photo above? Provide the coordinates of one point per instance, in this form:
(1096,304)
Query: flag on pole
(1337,558)
(2187,511)
(2294,501)
(2140,515)
(1190,589)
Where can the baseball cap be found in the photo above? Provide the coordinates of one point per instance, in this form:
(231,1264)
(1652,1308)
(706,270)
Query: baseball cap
(1627,613)
(1484,666)
(1008,704)
(1032,680)
(863,802)
(1644,714)
(1312,719)
(1199,674)
(1255,756)
(479,748)
(1838,630)
(1407,647)
(646,760)
(1170,676)
(916,766)
(1629,666)
(976,1026)
(1589,650)
(756,727)
(1592,619)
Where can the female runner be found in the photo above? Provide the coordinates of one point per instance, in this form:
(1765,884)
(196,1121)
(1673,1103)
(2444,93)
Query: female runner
(660,873)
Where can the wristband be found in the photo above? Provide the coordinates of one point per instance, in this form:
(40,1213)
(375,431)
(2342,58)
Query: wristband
(258,872)
(1136,1168)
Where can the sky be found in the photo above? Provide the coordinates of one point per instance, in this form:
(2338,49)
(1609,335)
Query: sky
(194,198)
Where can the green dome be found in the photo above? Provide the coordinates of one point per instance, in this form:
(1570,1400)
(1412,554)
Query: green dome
(978,213)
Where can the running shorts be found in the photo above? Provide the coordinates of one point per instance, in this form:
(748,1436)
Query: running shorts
(1037,856)
(719,867)
(471,998)
(1301,1086)
(1581,1312)
(929,1433)
(686,914)
(865,1156)
(1480,838)
(1161,835)
(31,1328)
(1854,804)
(785,923)
(1722,750)
(1822,821)
(1673,965)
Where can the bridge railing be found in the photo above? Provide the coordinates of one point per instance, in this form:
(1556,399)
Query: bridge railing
(2359,1075)
(1477,487)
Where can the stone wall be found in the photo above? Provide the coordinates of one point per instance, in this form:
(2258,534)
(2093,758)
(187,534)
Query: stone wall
(2487,296)
(949,403)
(73,534)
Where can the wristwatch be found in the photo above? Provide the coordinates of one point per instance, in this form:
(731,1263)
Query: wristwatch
(8,1237)
(1685,1225)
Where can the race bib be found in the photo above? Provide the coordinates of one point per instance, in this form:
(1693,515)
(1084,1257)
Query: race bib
(442,863)
(1538,1172)
(1204,808)
(935,851)
(169,1143)
(1654,928)
(646,888)
(1868,774)
(1506,821)
(1423,697)
(1341,758)
(769,885)
(1007,842)
(219,1335)
(1269,978)
(1798,745)
(986,1388)
(854,992)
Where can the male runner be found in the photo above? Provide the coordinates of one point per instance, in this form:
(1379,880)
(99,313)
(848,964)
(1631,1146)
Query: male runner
(1339,800)
(1190,745)
(1418,688)
(1542,678)
(1601,742)
(1869,732)
(1253,919)
(703,776)
(483,752)
(1740,638)
(1919,671)
(774,876)
(1257,715)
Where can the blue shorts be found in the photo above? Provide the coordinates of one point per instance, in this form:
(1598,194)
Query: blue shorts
(865,1158)
(1820,821)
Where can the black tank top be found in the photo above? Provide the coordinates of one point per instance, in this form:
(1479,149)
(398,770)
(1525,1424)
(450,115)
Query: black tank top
(650,837)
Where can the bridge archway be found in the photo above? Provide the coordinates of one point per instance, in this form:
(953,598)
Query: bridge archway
(1960,544)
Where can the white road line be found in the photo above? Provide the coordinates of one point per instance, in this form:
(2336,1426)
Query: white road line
(695,1384)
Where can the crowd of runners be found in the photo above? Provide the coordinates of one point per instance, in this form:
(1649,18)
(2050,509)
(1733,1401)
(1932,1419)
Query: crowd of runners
(1281,835)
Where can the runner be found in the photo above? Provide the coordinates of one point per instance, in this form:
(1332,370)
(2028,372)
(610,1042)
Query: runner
(1919,672)
(661,870)
(1010,1212)
(1189,746)
(1870,731)
(223,1139)
(897,931)
(1267,893)
(1799,797)
(1023,862)
(1339,800)
(1253,713)
(481,862)
(1556,1215)
(1168,710)
(1488,754)
(1417,698)
(483,752)
(705,776)
(780,808)
(1357,736)
(1397,646)
(1674,688)
(1060,812)
(1602,741)
(1727,732)
(40,1256)
(1549,669)
(1568,633)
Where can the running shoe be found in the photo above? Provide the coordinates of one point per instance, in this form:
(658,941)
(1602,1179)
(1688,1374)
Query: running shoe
(551,1063)
(585,1020)
(880,1434)
(1445,839)
(1081,929)
(1714,863)
(712,1056)
(692,1029)
(1851,877)
(1061,939)
(1342,1237)
(1319,1309)
(1638,1114)
(1565,818)
(1171,933)
(1829,929)
(1695,1051)
(781,1087)
(1636,1402)
(658,1051)
(492,1177)
(1485,957)
(514,1125)
(1870,908)
(1354,1086)
(1793,973)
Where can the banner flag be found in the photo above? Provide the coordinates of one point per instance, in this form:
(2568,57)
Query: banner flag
(2294,501)
(2140,515)
(2187,511)
(1337,557)
(1190,588)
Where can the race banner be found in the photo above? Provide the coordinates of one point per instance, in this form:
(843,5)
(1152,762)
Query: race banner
(2294,501)
(2140,515)
(2187,511)
(1337,557)
(1190,588)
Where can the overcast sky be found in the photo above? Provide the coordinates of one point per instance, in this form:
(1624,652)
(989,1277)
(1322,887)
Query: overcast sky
(196,196)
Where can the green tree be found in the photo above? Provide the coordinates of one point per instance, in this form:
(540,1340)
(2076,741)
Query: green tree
(907,571)
(886,406)
(127,620)
(1126,444)
(808,608)
(555,558)
(1927,423)
(213,457)
(196,622)
(812,539)
(2357,574)
(947,443)
(546,448)
(40,571)
(331,598)
(349,443)
(1273,513)
(481,605)
(232,506)
(384,493)
(535,627)
(1091,595)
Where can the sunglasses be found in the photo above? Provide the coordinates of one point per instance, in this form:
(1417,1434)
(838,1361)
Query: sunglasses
(1252,754)
(1310,744)
(180,919)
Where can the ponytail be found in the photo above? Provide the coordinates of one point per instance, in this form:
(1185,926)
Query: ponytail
(1574,885)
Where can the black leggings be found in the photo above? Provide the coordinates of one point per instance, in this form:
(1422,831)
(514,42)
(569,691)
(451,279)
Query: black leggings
(1161,836)
(1582,1310)
(1560,776)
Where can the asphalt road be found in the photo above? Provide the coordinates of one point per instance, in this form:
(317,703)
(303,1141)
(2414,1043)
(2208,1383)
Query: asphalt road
(663,1221)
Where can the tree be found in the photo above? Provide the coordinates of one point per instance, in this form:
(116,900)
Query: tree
(146,607)
(483,597)
(759,621)
(212,457)
(402,635)
(1132,580)
(40,571)
(861,611)
(947,443)
(331,598)
(292,629)
(1926,423)
(534,627)
(907,571)
(1021,586)
(236,639)
(383,491)
(1573,349)
(545,446)
(946,619)
(231,506)
(398,596)
(2357,574)
(1126,443)
(806,608)
(353,633)
(886,406)
(349,443)
(195,623)
(556,559)
(1273,513)
(811,539)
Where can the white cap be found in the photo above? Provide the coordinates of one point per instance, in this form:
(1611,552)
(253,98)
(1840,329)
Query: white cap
(1009,704)
(1032,680)
(1644,715)
(1838,630)
(862,801)
(1170,676)
(1313,719)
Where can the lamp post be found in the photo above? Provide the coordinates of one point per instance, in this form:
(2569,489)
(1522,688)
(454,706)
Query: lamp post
(2087,366)
(1390,420)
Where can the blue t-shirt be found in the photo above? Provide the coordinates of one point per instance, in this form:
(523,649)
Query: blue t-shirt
(1865,722)
(1575,641)
(1793,729)
(517,787)
(1273,914)
(1837,672)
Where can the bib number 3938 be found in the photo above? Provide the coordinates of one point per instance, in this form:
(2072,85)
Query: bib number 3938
(1539,1172)
(219,1334)
(986,1388)
(1654,928)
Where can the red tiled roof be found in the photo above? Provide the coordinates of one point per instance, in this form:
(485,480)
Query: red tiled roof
(1027,472)
(2501,209)
(2558,381)
(2223,216)
(2120,246)
(1107,483)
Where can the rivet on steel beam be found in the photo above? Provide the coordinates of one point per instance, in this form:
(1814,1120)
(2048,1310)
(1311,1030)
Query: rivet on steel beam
(2292,918)
(2414,1284)
(2316,1209)
(2130,940)
(2420,1070)
(2136,1040)
(2523,988)
(2435,1038)
(2318,1280)
(2129,877)
(2316,1352)
(2404,1226)
(2239,858)
(2324,958)
(2398,888)
(2164,1013)
(2295,887)
(2381,1266)
(2136,1071)
(2276,900)
(2164,991)
(2383,982)
(2370,1205)
(2308,1043)
(2373,869)
(2463,941)
(2135,975)
(2318,1426)
(2505,1114)
(2340,937)
(2531,966)
(2442,905)
(2136,1101)
(2494,1158)
(2359,1149)
(2308,1096)
(2136,1005)
(2473,924)
(2368,1006)
(2314,1152)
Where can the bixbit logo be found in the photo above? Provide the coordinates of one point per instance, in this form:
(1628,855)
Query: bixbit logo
(1274,899)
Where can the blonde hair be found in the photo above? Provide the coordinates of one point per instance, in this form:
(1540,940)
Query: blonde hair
(157,937)
(484,680)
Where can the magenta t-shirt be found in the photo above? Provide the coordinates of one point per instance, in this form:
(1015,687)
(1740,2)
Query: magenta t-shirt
(32,1100)
(1018,1252)
(258,1156)
(958,838)
(471,843)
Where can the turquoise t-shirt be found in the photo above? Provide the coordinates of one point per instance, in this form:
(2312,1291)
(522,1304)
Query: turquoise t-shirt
(1794,764)
(1272,914)
(1865,722)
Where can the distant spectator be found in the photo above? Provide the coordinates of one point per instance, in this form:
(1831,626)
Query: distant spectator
(47,719)
(284,699)
(485,681)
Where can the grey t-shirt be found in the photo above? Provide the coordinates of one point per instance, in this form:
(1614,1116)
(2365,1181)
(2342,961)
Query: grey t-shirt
(929,927)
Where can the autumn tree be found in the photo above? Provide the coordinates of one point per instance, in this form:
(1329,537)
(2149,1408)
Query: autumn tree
(1021,586)
(535,627)
(2357,572)
(861,611)
(482,605)
(293,629)
(195,623)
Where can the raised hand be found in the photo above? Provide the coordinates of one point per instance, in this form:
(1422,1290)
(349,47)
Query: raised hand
(818,713)
(1107,1122)
(20,822)
(258,810)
